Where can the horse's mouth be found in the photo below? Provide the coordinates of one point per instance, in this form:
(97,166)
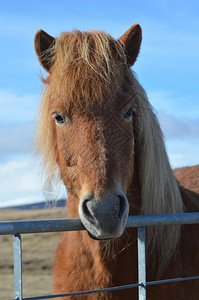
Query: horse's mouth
(97,239)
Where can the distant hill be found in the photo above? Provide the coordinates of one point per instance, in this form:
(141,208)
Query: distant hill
(188,177)
(40,205)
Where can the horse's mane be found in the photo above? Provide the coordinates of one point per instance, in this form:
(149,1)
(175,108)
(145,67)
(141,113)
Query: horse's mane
(160,193)
(95,64)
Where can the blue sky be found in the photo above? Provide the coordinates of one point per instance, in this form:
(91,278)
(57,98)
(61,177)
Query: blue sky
(167,67)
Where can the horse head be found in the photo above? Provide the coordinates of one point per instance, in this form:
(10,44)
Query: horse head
(90,112)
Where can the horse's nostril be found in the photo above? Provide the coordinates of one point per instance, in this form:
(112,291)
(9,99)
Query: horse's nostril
(85,207)
(86,210)
(122,206)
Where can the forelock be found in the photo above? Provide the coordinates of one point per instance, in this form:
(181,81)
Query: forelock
(88,67)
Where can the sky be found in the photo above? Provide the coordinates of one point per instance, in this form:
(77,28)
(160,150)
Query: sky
(167,68)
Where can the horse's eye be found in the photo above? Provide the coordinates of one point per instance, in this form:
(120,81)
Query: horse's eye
(129,114)
(59,118)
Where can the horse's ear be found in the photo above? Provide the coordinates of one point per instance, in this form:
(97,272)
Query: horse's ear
(131,40)
(43,42)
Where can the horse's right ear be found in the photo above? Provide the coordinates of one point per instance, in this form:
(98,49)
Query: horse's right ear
(131,40)
(43,42)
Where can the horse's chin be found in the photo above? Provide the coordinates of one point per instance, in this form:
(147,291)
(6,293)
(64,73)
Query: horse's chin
(98,239)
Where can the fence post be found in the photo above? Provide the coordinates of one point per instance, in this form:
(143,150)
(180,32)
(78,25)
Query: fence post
(17,267)
(141,263)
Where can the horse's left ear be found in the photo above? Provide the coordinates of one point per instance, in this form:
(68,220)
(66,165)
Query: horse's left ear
(131,40)
(43,42)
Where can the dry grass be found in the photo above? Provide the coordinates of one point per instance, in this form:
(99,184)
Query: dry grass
(38,255)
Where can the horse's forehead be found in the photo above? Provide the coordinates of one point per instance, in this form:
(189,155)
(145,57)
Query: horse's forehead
(95,111)
(106,107)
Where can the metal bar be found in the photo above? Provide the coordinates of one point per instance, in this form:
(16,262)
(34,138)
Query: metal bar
(17,267)
(163,219)
(56,225)
(171,280)
(36,226)
(115,288)
(111,289)
(141,263)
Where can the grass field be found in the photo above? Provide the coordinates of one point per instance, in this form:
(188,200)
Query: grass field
(38,252)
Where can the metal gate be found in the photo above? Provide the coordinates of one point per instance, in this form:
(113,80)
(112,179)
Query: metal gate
(16,228)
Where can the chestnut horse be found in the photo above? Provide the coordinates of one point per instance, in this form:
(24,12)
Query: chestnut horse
(99,130)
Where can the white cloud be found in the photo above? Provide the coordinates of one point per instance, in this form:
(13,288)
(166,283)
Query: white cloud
(179,128)
(21,182)
(179,120)
(183,159)
(183,152)
(17,123)
(19,179)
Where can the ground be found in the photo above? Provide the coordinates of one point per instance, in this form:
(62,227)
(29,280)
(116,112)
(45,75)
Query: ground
(38,252)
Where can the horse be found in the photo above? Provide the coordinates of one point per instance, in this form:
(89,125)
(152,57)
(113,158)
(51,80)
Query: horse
(98,130)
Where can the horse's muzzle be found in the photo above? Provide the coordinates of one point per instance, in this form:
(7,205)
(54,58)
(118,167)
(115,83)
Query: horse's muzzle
(104,217)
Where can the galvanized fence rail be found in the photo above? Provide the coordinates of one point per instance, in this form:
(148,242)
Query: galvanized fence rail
(16,228)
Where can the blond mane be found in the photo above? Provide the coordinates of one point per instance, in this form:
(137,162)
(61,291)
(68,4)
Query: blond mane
(160,192)
(95,63)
